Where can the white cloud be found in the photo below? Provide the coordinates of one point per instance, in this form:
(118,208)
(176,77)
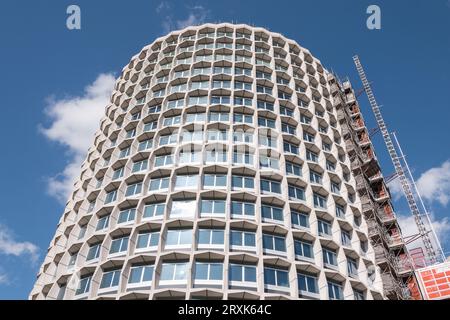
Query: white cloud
(9,246)
(395,187)
(3,278)
(74,121)
(434,184)
(195,15)
(409,228)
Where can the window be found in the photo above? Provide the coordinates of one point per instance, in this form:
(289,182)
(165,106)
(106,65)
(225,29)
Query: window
(303,249)
(267,141)
(329,257)
(239,85)
(171,121)
(265,122)
(276,277)
(242,209)
(220,100)
(124,153)
(61,292)
(335,291)
(200,85)
(130,133)
(118,173)
(140,166)
(179,238)
(315,177)
(331,166)
(324,227)
(212,207)
(111,196)
(296,193)
(320,202)
(286,111)
(269,162)
(216,156)
(146,144)
(168,139)
(171,104)
(174,272)
(293,169)
(141,274)
(346,238)
(94,252)
(240,101)
(147,241)
(217,135)
(164,160)
(119,245)
(127,215)
(189,157)
(133,189)
(183,208)
(84,285)
(358,295)
(305,119)
(288,129)
(270,186)
(154,210)
(271,213)
(242,239)
(299,219)
(340,211)
(265,106)
(308,137)
(307,284)
(205,71)
(335,187)
(263,75)
(186,181)
(222,84)
(214,180)
(73,259)
(352,267)
(208,271)
(110,279)
(225,70)
(311,156)
(326,146)
(242,118)
(290,147)
(210,237)
(201,100)
(264,89)
(273,244)
(159,184)
(82,231)
(242,158)
(154,109)
(242,71)
(239,182)
(102,223)
(241,136)
(190,136)
(242,273)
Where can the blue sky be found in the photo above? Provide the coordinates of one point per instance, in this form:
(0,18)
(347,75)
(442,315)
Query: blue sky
(50,74)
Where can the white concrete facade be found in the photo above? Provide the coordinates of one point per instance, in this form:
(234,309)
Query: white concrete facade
(217,162)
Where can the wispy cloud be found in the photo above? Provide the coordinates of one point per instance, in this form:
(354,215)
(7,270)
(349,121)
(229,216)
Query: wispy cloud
(194,15)
(434,184)
(10,246)
(74,121)
(409,227)
(3,278)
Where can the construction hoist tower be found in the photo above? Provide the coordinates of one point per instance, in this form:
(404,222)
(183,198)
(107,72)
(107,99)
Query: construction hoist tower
(433,250)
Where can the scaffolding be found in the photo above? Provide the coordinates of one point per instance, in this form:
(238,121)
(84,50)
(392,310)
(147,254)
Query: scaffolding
(383,230)
(433,250)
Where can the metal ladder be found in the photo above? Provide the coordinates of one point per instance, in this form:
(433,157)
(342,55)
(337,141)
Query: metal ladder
(407,189)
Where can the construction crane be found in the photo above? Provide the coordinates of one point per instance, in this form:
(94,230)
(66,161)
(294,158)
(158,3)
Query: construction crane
(408,185)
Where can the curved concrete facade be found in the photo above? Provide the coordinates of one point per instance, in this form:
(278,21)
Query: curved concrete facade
(219,171)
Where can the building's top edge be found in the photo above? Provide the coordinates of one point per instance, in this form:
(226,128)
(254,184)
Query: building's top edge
(218,25)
